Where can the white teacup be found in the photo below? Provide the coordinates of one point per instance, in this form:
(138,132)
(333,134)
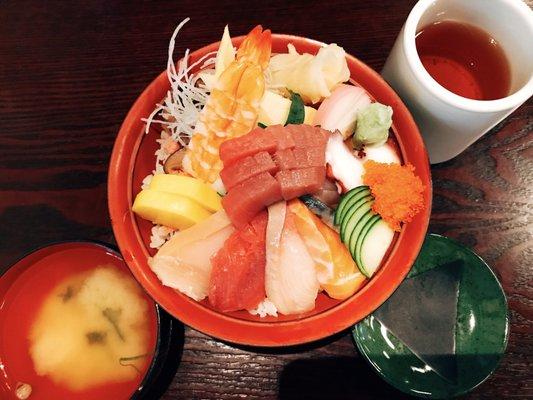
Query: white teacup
(450,123)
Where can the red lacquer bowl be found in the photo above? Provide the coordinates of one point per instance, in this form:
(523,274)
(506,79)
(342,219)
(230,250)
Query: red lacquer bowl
(133,159)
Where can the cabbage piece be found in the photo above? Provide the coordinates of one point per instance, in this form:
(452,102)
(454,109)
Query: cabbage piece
(373,124)
(313,77)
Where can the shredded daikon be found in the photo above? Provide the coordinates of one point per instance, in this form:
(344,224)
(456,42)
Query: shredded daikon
(180,108)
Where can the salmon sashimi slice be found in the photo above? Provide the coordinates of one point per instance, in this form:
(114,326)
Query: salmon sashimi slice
(238,276)
(245,200)
(297,182)
(247,145)
(285,159)
(281,137)
(290,278)
(247,168)
(310,157)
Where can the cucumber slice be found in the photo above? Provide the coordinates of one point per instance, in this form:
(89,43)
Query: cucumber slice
(296,110)
(348,209)
(368,226)
(342,204)
(353,215)
(374,247)
(344,200)
(352,241)
(355,202)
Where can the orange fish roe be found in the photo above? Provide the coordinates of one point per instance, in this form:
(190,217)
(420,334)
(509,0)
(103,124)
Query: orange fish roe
(397,191)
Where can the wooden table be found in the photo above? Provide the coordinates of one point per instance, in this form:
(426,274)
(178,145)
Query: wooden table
(69,71)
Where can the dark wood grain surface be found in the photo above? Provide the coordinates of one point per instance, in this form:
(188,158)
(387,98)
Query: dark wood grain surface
(69,71)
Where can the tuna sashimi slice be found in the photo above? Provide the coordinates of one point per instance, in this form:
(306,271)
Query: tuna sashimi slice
(281,136)
(297,182)
(308,136)
(238,275)
(247,145)
(284,159)
(290,278)
(246,168)
(245,200)
(310,156)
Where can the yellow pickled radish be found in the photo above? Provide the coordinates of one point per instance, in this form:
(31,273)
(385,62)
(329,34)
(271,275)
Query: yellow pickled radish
(187,186)
(169,209)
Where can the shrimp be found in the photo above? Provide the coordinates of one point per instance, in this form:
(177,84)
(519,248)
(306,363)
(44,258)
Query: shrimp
(232,107)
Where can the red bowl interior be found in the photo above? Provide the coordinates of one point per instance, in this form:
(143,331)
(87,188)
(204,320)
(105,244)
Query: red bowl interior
(133,159)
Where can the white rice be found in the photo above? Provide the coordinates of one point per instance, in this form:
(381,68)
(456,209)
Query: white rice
(160,234)
(266,307)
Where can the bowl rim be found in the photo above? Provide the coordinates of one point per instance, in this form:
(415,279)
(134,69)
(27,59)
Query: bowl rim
(223,326)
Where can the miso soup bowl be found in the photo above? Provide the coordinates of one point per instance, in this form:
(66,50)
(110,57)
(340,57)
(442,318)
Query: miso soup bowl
(170,334)
(133,159)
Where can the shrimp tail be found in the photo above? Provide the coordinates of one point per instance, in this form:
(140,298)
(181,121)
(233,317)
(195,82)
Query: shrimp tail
(256,47)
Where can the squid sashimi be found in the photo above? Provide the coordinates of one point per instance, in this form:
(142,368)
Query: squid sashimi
(290,278)
(238,275)
(184,262)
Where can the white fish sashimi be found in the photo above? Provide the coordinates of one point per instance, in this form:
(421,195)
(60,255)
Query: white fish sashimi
(290,278)
(201,230)
(188,269)
(188,279)
(276,220)
(184,262)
